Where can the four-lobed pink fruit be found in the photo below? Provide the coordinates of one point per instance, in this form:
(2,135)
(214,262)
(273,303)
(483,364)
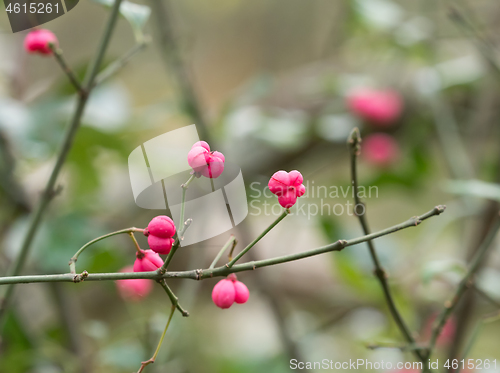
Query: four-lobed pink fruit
(287,186)
(133,289)
(379,107)
(160,232)
(37,41)
(146,261)
(228,291)
(380,149)
(205,162)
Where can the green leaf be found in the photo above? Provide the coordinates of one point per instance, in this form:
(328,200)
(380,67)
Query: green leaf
(137,15)
(475,188)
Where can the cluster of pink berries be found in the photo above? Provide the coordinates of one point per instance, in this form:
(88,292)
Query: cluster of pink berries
(38,41)
(381,109)
(161,231)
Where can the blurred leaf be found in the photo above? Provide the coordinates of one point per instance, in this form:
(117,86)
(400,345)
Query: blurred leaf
(137,15)
(63,237)
(82,157)
(475,188)
(273,365)
(124,354)
(17,351)
(440,267)
(345,264)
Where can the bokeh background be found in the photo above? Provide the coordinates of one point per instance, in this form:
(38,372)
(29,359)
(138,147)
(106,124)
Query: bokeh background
(271,78)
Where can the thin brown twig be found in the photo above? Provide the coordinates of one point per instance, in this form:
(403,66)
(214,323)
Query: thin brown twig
(354,143)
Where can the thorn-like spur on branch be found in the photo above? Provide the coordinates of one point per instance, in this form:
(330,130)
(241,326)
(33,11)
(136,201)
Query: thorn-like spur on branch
(199,274)
(173,298)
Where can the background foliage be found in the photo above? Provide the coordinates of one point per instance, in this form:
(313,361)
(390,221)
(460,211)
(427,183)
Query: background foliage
(271,77)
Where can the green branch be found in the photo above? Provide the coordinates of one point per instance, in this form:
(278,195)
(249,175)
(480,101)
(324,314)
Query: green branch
(74,258)
(58,54)
(231,242)
(199,274)
(252,244)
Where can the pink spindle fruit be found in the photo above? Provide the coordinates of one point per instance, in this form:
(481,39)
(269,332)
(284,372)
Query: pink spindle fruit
(134,289)
(205,162)
(241,292)
(379,107)
(228,291)
(287,186)
(160,231)
(37,41)
(223,294)
(147,260)
(380,149)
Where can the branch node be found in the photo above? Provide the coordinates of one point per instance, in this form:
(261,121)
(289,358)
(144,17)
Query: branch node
(342,244)
(81,277)
(198,273)
(380,273)
(416,220)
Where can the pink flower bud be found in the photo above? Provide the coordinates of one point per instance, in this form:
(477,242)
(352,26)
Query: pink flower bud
(287,186)
(380,149)
(147,260)
(380,107)
(223,294)
(37,41)
(205,162)
(135,289)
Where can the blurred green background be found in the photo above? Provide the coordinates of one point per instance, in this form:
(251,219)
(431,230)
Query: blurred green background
(272,79)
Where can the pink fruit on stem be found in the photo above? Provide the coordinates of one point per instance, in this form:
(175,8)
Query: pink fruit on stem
(205,162)
(287,186)
(380,149)
(146,261)
(241,292)
(37,41)
(223,294)
(134,289)
(228,291)
(379,107)
(160,232)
